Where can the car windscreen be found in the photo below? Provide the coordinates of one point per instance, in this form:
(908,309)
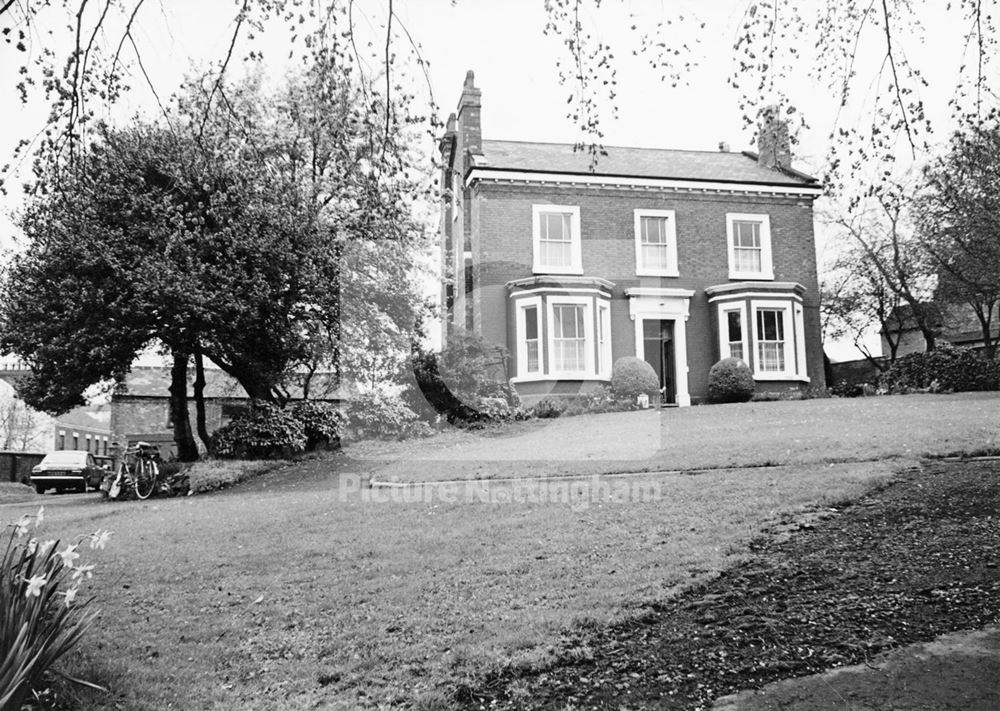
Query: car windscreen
(65,459)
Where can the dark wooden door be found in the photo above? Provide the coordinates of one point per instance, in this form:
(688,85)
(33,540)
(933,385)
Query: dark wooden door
(658,351)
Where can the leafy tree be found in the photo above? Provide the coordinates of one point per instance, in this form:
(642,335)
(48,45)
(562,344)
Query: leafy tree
(219,233)
(959,217)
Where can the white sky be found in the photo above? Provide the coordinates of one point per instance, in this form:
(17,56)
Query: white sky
(515,66)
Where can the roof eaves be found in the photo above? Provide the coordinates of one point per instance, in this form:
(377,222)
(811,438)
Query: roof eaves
(628,176)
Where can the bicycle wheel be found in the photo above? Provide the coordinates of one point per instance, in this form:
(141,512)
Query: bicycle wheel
(145,478)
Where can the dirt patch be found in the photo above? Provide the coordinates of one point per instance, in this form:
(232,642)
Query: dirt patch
(905,564)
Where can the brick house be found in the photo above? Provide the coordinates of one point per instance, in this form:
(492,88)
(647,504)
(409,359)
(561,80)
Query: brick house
(678,257)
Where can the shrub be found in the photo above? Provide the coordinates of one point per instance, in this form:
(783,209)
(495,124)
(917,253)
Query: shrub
(380,414)
(548,408)
(630,377)
(262,431)
(323,423)
(40,614)
(946,368)
(495,409)
(730,380)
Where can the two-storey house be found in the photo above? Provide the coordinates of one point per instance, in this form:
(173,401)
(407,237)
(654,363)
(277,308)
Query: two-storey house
(678,257)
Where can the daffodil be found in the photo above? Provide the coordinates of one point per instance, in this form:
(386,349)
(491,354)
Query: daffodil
(35,585)
(70,595)
(68,556)
(99,538)
(83,570)
(40,516)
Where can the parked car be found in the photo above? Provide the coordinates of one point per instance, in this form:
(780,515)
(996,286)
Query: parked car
(67,469)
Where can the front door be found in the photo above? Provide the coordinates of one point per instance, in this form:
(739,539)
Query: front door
(658,351)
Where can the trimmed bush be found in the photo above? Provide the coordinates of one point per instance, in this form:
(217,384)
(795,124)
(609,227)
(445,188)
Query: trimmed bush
(630,377)
(380,414)
(262,431)
(946,368)
(548,408)
(323,423)
(730,380)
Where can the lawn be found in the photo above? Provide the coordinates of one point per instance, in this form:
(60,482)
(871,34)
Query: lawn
(294,591)
(737,435)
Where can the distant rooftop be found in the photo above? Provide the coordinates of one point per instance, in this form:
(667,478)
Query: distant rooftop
(722,166)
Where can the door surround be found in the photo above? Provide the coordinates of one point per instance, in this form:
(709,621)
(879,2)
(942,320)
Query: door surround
(661,304)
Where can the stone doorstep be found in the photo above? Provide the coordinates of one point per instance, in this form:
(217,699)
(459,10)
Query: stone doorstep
(959,671)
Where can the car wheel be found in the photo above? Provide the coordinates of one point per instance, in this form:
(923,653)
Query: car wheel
(39,489)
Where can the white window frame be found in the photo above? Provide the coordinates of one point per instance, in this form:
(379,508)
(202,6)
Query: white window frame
(587,303)
(522,344)
(766,264)
(604,355)
(576,252)
(724,310)
(794,350)
(671,269)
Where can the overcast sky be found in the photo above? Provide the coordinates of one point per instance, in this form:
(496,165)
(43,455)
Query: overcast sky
(515,66)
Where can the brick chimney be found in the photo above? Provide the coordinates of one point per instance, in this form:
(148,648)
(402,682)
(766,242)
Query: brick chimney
(773,144)
(469,128)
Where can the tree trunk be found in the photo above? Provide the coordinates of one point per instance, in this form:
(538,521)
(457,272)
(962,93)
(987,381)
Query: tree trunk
(199,397)
(187,449)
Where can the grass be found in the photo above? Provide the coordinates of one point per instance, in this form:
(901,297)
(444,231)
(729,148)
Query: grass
(294,591)
(301,598)
(213,474)
(737,435)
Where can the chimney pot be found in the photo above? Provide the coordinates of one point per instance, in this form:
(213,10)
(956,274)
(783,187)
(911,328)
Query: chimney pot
(723,147)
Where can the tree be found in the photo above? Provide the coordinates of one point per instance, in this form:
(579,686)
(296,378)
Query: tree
(959,218)
(888,266)
(21,428)
(856,295)
(218,233)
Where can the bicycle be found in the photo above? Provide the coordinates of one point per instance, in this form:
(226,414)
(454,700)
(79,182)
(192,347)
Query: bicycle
(142,473)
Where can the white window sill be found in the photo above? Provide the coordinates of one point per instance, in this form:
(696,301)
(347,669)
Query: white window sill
(781,376)
(574,271)
(657,272)
(768,276)
(537,377)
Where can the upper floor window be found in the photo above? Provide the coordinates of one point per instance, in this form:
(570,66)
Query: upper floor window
(556,239)
(749,239)
(655,243)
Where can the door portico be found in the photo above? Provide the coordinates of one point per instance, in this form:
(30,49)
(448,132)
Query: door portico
(650,304)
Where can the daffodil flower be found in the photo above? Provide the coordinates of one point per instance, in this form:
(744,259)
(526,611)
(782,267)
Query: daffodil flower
(22,526)
(70,595)
(99,538)
(82,570)
(35,585)
(44,547)
(68,556)
(40,516)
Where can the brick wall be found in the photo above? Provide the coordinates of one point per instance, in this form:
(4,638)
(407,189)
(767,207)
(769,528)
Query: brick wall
(501,242)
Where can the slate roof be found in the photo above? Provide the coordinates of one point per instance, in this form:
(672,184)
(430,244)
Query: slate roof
(718,166)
